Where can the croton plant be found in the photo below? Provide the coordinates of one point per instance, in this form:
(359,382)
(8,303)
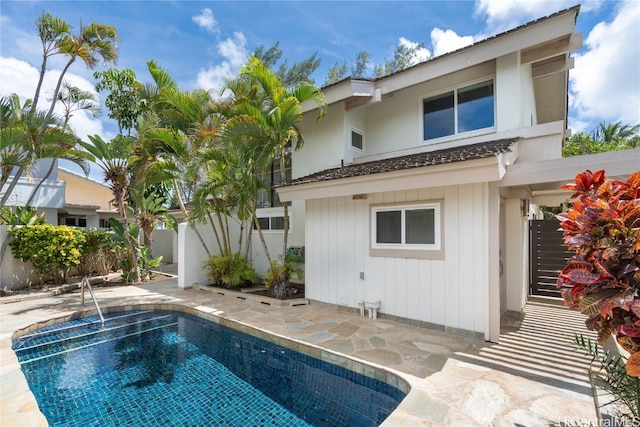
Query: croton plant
(602,279)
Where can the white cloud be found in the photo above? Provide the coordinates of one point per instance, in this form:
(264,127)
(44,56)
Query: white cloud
(420,54)
(503,15)
(605,84)
(444,41)
(21,78)
(207,21)
(17,77)
(234,53)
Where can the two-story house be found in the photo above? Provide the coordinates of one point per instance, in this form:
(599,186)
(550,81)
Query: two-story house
(416,188)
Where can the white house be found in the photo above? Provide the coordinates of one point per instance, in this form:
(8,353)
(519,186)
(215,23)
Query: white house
(415,189)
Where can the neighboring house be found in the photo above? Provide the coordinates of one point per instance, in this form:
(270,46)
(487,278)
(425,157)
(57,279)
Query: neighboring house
(416,188)
(87,203)
(66,197)
(49,198)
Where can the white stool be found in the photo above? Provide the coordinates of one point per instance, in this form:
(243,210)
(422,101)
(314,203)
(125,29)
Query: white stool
(372,305)
(361,305)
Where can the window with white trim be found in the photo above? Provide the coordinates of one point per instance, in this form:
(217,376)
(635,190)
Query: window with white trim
(407,227)
(272,223)
(464,109)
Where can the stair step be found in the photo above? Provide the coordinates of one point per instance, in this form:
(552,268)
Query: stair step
(86,333)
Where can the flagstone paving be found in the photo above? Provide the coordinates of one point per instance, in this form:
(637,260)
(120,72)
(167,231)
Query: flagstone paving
(533,377)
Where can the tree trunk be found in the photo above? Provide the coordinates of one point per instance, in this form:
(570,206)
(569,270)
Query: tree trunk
(264,244)
(12,185)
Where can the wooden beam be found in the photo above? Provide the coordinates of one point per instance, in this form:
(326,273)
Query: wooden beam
(561,65)
(551,49)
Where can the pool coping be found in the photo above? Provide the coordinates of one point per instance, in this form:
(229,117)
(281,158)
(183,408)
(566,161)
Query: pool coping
(406,383)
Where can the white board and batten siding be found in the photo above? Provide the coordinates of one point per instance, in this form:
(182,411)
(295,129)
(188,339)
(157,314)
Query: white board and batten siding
(450,292)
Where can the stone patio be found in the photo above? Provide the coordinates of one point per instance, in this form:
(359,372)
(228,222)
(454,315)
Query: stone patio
(533,377)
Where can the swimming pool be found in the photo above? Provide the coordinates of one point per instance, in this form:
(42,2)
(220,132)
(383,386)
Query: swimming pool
(173,368)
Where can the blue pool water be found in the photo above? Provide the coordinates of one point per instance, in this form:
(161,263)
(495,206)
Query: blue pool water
(164,368)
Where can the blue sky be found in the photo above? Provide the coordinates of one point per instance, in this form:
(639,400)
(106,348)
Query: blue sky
(201,43)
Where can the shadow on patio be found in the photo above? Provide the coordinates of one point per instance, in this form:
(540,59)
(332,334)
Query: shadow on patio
(538,345)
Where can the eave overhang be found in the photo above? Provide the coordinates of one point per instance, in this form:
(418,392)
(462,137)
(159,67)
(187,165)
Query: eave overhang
(487,169)
(543,38)
(541,181)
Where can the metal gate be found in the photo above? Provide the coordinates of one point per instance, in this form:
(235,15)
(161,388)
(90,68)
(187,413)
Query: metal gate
(547,256)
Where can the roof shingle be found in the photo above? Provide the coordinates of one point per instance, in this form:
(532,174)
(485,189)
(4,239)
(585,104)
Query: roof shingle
(439,157)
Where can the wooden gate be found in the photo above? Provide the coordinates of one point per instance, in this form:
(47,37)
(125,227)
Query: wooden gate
(547,256)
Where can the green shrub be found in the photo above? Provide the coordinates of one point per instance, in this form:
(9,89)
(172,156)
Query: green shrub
(94,241)
(230,271)
(21,215)
(53,250)
(612,377)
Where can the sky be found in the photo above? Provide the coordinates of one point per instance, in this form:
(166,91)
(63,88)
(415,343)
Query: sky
(202,43)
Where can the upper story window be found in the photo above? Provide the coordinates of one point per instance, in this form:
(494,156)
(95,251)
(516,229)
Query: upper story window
(357,140)
(461,110)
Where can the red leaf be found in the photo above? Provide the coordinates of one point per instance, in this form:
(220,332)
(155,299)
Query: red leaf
(584,180)
(630,330)
(635,308)
(598,178)
(633,365)
(629,268)
(582,276)
(634,180)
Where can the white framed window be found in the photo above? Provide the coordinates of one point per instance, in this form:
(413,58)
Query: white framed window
(465,109)
(271,223)
(357,140)
(414,229)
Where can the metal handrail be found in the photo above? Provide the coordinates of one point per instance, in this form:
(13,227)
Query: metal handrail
(85,280)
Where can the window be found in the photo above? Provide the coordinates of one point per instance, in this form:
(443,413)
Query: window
(357,140)
(409,227)
(268,196)
(272,223)
(75,221)
(462,110)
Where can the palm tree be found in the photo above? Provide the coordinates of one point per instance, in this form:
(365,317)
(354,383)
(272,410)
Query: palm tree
(51,31)
(270,115)
(22,144)
(113,158)
(614,132)
(94,42)
(75,99)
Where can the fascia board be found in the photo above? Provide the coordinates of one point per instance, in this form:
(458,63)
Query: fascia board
(343,91)
(526,37)
(615,163)
(486,50)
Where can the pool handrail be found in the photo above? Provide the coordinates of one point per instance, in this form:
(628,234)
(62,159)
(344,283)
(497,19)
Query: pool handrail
(85,281)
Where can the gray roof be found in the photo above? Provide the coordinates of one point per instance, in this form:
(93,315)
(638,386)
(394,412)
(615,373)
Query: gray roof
(439,157)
